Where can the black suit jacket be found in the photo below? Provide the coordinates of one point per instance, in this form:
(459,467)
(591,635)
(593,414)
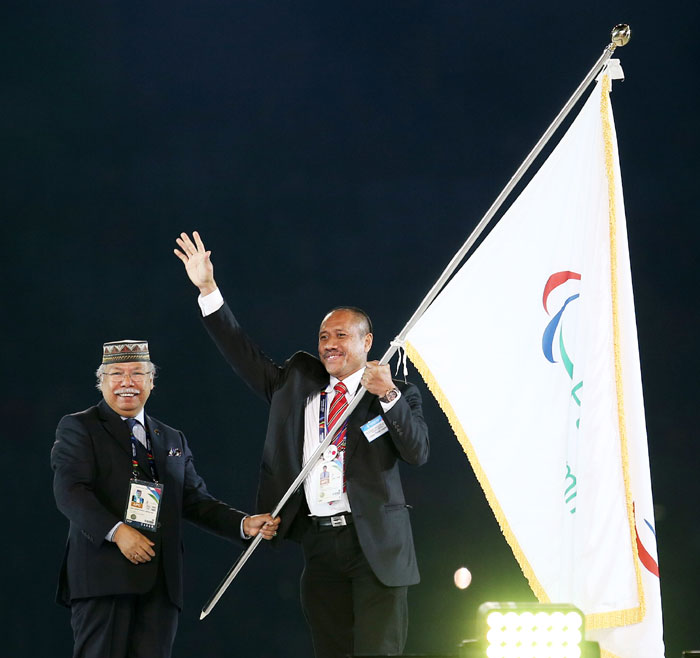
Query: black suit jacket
(91,459)
(374,486)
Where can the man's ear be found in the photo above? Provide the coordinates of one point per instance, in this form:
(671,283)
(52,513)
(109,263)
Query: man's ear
(368,342)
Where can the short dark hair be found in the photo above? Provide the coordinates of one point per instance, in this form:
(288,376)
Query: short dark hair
(365,320)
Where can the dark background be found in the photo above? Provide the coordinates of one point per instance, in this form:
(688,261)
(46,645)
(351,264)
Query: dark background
(328,152)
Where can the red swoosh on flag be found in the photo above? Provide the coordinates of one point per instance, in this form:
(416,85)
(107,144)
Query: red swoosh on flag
(556,280)
(644,557)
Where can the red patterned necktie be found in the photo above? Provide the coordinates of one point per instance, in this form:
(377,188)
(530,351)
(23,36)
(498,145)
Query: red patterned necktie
(338,405)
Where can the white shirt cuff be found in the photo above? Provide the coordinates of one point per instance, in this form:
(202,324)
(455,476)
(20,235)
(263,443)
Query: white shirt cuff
(243,535)
(110,535)
(210,303)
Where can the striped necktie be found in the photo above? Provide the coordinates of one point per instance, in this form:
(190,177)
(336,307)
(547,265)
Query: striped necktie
(144,457)
(338,405)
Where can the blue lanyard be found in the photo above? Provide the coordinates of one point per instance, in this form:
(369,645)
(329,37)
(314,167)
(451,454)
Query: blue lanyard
(322,417)
(149,454)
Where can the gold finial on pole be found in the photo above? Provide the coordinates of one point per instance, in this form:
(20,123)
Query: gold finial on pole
(620,35)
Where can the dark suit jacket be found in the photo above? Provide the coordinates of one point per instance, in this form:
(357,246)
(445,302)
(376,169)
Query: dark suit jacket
(374,486)
(91,459)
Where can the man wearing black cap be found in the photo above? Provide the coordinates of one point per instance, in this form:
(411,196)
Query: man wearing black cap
(350,515)
(125,481)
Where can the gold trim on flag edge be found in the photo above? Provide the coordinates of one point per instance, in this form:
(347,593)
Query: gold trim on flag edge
(604,653)
(632,615)
(600,620)
(464,441)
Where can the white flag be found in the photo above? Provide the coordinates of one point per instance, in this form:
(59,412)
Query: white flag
(531,351)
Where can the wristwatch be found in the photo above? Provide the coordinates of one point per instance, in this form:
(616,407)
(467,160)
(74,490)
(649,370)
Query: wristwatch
(390,395)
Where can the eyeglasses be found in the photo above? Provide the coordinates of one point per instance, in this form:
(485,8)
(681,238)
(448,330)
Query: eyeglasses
(137,377)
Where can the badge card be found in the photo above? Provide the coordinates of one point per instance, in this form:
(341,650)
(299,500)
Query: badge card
(143,505)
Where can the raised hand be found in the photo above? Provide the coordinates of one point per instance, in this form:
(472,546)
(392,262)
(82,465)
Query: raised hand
(197,262)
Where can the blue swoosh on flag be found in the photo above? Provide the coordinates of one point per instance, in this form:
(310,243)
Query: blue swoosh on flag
(548,336)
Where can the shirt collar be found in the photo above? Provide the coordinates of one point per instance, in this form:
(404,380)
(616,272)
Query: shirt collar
(351,381)
(140,416)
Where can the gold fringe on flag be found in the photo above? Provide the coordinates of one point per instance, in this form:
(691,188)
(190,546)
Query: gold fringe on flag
(464,441)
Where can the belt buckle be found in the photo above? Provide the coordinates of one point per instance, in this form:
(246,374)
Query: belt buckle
(338,521)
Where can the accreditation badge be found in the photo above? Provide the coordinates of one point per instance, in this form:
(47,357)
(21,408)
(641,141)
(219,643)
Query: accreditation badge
(374,428)
(330,479)
(143,505)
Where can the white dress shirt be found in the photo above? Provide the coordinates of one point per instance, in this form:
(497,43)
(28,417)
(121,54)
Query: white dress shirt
(312,438)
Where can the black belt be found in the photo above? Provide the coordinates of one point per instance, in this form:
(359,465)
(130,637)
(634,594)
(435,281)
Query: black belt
(337,521)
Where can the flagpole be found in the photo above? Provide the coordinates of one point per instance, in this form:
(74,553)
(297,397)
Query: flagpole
(620,35)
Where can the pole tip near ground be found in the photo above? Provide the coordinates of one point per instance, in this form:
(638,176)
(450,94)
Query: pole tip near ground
(202,615)
(620,35)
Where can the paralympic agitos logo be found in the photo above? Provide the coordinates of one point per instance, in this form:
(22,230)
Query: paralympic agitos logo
(550,333)
(549,339)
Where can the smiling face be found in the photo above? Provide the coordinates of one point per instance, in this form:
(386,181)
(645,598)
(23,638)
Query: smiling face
(343,343)
(126,386)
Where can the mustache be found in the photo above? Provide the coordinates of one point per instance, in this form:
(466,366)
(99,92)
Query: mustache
(133,391)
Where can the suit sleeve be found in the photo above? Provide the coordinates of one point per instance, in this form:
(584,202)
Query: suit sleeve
(407,427)
(202,509)
(255,368)
(75,471)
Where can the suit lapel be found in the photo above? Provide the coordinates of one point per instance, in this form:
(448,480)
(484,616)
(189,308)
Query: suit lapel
(114,426)
(119,431)
(158,445)
(359,417)
(312,386)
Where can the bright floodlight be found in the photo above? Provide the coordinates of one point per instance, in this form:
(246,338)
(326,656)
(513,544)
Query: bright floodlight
(533,630)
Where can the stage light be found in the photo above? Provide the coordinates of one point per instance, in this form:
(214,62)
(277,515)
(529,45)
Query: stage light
(462,578)
(533,630)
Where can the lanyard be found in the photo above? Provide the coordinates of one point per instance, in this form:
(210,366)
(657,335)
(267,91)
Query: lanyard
(339,438)
(149,454)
